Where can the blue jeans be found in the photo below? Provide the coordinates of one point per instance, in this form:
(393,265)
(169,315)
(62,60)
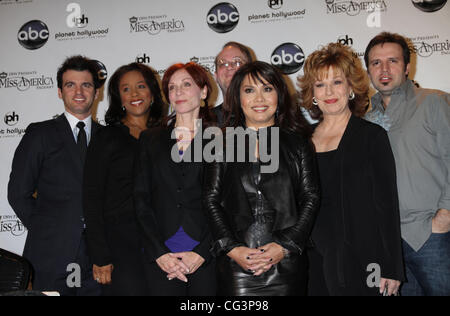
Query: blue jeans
(428,270)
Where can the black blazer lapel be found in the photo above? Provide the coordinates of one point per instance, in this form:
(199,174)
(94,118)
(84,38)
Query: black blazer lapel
(65,132)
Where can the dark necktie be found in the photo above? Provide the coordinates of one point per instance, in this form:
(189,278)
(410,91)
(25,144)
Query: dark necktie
(82,140)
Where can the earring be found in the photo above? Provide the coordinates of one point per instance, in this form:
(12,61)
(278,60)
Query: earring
(202,103)
(123,108)
(314,101)
(351,96)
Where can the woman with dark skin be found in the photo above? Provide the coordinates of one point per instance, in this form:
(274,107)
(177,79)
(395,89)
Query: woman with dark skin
(111,227)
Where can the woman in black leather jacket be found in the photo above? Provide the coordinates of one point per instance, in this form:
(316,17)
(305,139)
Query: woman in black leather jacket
(261,222)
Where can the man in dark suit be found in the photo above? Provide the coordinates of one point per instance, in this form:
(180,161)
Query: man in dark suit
(45,186)
(232,56)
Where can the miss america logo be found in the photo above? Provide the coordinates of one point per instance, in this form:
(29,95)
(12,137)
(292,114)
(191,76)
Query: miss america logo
(353,8)
(154,27)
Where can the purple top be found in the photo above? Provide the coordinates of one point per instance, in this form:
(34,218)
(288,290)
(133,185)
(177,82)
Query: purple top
(181,242)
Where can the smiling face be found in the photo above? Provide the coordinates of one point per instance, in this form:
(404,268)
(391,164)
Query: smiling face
(259,101)
(387,69)
(332,93)
(184,94)
(135,94)
(78,93)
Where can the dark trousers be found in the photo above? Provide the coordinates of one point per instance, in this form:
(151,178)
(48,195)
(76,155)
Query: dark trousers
(428,270)
(201,283)
(128,276)
(59,279)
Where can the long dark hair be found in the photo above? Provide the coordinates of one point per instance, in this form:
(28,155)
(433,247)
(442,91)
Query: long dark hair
(201,79)
(115,112)
(288,117)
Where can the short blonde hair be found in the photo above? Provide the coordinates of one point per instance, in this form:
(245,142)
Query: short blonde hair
(340,58)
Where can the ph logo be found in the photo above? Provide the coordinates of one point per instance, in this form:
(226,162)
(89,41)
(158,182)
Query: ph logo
(75,19)
(275,4)
(345,40)
(429,5)
(223,17)
(11,118)
(288,57)
(143,60)
(33,35)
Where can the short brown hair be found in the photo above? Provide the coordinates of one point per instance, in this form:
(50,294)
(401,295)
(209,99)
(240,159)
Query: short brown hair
(341,58)
(386,37)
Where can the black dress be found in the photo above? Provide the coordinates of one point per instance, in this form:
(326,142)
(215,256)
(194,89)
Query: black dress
(325,227)
(111,225)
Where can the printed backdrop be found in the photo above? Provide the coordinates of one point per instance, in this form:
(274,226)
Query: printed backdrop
(37,35)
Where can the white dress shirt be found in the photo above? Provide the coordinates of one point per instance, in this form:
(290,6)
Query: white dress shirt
(73,121)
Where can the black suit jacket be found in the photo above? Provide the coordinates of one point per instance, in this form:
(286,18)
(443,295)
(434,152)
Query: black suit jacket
(168,195)
(47,161)
(369,208)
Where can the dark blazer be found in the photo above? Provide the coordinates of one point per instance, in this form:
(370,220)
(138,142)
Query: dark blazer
(369,204)
(47,161)
(168,195)
(295,198)
(218,111)
(108,189)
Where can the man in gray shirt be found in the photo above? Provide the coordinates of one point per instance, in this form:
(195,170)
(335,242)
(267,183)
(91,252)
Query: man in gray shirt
(418,125)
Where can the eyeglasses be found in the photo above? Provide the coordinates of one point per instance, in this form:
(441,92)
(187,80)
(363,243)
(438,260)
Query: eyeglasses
(236,63)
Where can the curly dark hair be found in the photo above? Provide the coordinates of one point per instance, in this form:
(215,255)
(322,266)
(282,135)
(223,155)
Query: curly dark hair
(78,63)
(115,113)
(289,116)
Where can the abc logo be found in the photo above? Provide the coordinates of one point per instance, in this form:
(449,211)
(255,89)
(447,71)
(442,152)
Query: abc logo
(11,118)
(288,57)
(102,72)
(275,4)
(33,35)
(429,5)
(223,17)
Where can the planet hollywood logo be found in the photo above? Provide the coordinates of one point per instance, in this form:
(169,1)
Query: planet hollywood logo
(154,25)
(426,46)
(429,5)
(288,57)
(76,18)
(11,118)
(79,21)
(223,17)
(349,41)
(355,7)
(11,224)
(276,14)
(275,4)
(144,59)
(23,81)
(33,35)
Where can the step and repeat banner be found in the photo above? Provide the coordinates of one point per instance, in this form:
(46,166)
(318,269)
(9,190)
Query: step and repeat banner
(37,35)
